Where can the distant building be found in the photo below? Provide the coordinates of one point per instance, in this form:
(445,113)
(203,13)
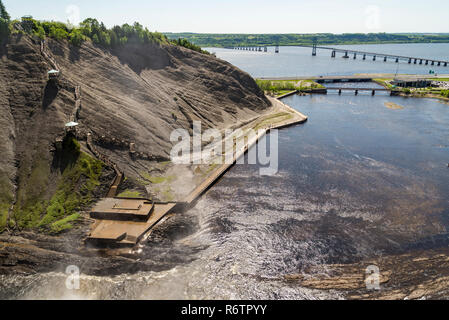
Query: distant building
(412,83)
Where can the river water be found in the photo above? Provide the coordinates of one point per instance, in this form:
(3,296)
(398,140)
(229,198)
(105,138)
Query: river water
(364,177)
(298,61)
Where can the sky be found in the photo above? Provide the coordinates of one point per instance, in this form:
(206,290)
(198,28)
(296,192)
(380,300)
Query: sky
(248,16)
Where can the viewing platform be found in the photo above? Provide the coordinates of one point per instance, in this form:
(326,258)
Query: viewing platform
(124,221)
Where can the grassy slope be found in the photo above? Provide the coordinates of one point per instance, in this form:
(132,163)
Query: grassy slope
(6,199)
(74,186)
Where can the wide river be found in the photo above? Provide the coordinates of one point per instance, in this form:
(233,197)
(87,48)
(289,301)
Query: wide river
(365,177)
(298,61)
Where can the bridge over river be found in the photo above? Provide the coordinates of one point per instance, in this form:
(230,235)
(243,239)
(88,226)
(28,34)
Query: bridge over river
(348,53)
(364,54)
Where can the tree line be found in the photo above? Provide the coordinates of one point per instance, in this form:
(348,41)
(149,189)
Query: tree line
(89,29)
(98,33)
(235,40)
(4,22)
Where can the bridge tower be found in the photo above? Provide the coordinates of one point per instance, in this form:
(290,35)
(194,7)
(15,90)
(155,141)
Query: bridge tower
(315,43)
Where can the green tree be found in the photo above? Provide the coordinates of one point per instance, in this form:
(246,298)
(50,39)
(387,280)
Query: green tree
(3,13)
(4,22)
(40,32)
(58,33)
(4,30)
(76,37)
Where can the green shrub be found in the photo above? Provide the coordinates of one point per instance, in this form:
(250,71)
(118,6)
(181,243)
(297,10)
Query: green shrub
(64,224)
(186,44)
(76,37)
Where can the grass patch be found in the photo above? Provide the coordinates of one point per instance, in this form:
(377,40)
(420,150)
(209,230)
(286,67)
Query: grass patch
(280,87)
(130,194)
(276,87)
(309,85)
(165,163)
(384,82)
(64,224)
(282,92)
(167,195)
(6,199)
(3,216)
(164,193)
(156,179)
(31,193)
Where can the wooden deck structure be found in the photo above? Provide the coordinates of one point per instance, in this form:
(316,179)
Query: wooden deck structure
(124,221)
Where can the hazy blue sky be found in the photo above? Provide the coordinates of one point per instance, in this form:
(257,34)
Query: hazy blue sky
(249,16)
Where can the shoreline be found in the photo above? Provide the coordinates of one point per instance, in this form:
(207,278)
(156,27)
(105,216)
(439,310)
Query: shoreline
(378,78)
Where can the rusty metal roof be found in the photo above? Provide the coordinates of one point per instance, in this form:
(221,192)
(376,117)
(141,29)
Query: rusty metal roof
(123,209)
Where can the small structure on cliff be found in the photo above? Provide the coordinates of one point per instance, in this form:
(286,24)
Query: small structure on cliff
(53,74)
(27,23)
(70,127)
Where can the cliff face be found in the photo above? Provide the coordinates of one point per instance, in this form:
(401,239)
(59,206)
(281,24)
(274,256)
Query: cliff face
(133,95)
